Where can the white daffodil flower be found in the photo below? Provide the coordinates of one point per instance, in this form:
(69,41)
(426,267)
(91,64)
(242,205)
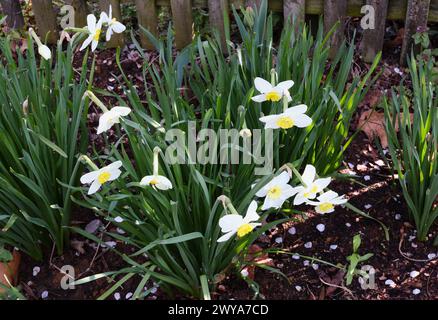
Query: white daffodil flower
(276,192)
(232,224)
(43,50)
(270,92)
(156,181)
(111,117)
(294,116)
(327,201)
(311,187)
(94,30)
(114,26)
(99,177)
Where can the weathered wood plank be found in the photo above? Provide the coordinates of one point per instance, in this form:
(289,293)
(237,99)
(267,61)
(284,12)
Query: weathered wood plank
(45,18)
(396,10)
(372,41)
(182,22)
(12,9)
(117,40)
(148,18)
(335,11)
(294,10)
(416,17)
(81,12)
(216,11)
(253,3)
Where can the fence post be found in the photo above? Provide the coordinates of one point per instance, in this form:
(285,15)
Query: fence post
(12,9)
(334,11)
(294,10)
(45,18)
(182,22)
(372,41)
(81,12)
(216,11)
(147,17)
(117,40)
(416,17)
(254,3)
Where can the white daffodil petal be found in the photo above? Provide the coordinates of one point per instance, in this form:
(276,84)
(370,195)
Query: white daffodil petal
(299,109)
(109,34)
(260,98)
(299,199)
(339,200)
(104,125)
(288,191)
(94,45)
(45,52)
(115,165)
(104,17)
(90,177)
(114,174)
(163,183)
(322,183)
(226,236)
(302,120)
(272,203)
(282,178)
(309,175)
(251,214)
(146,180)
(230,222)
(91,23)
(272,123)
(118,27)
(262,85)
(86,43)
(285,85)
(121,111)
(327,196)
(95,186)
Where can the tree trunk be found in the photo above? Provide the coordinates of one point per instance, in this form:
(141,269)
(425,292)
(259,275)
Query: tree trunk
(12,9)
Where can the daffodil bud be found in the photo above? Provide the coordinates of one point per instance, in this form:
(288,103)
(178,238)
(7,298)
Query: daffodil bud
(245,133)
(274,77)
(249,16)
(26,107)
(45,52)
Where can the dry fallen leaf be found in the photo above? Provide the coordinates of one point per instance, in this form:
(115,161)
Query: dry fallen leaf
(256,256)
(372,123)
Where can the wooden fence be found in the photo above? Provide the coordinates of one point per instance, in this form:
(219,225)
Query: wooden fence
(416,14)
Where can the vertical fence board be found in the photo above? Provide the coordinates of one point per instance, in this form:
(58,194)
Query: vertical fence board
(182,22)
(45,18)
(334,11)
(81,11)
(372,41)
(216,11)
(12,9)
(253,3)
(148,18)
(117,40)
(295,10)
(416,17)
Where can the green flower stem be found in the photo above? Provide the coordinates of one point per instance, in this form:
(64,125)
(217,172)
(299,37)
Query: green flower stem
(273,77)
(226,202)
(89,162)
(157,150)
(96,100)
(35,37)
